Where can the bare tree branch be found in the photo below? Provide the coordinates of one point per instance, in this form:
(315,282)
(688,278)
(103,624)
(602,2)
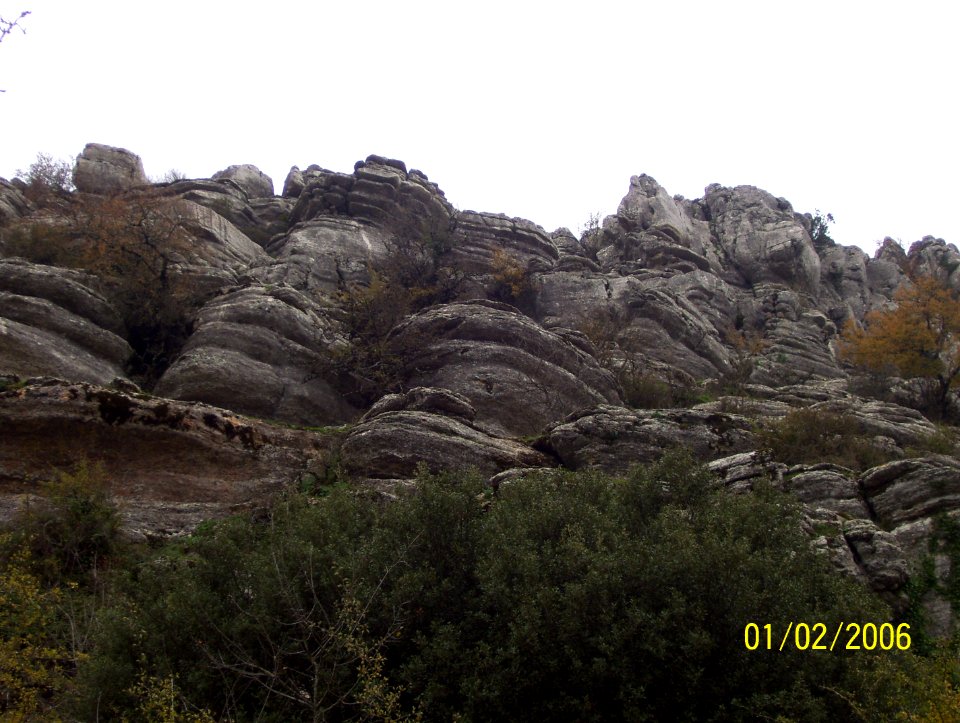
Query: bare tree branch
(7,26)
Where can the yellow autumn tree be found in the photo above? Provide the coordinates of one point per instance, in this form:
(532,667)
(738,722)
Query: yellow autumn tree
(31,661)
(918,339)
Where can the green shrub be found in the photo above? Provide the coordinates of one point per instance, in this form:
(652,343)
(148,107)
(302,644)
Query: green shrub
(73,531)
(810,436)
(571,596)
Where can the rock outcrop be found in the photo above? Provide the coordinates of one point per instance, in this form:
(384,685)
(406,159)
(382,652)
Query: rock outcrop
(731,291)
(616,439)
(516,374)
(170,464)
(432,427)
(264,351)
(53,322)
(104,169)
(254,182)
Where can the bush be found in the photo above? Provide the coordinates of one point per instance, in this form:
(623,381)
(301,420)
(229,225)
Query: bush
(811,436)
(47,179)
(73,531)
(512,282)
(569,596)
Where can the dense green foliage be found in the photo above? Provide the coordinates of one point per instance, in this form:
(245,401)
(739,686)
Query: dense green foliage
(570,596)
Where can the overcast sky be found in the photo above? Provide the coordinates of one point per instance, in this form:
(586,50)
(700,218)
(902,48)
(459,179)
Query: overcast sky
(538,110)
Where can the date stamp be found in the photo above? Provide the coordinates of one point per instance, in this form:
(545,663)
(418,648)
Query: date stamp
(818,636)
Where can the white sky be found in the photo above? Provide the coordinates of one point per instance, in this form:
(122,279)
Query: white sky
(540,110)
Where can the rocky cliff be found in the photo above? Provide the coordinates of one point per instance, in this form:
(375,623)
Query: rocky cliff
(211,343)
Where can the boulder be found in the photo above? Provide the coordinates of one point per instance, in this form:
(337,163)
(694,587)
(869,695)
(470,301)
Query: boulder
(909,489)
(828,486)
(254,182)
(483,242)
(324,254)
(615,439)
(13,204)
(104,169)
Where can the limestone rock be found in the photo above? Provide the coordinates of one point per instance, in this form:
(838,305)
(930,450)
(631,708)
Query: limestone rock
(762,238)
(740,472)
(254,182)
(661,231)
(827,486)
(481,238)
(616,438)
(13,204)
(424,399)
(262,351)
(908,489)
(516,374)
(878,554)
(53,322)
(170,464)
(905,426)
(324,254)
(934,257)
(392,444)
(104,169)
(380,191)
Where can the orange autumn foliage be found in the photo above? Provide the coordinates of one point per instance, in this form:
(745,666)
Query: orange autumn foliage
(919,339)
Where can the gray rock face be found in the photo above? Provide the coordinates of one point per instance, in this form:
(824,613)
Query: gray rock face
(13,204)
(480,238)
(104,169)
(379,191)
(934,257)
(424,399)
(878,554)
(264,352)
(324,254)
(616,438)
(516,374)
(909,489)
(827,486)
(53,323)
(254,182)
(403,431)
(761,236)
(660,232)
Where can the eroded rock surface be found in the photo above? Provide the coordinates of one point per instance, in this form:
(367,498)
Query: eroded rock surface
(263,351)
(53,322)
(516,374)
(616,438)
(254,182)
(430,427)
(169,464)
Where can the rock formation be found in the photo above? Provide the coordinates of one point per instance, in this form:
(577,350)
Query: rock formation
(103,169)
(508,348)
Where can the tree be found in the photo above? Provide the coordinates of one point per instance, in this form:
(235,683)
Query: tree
(47,178)
(820,228)
(8,26)
(138,245)
(919,339)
